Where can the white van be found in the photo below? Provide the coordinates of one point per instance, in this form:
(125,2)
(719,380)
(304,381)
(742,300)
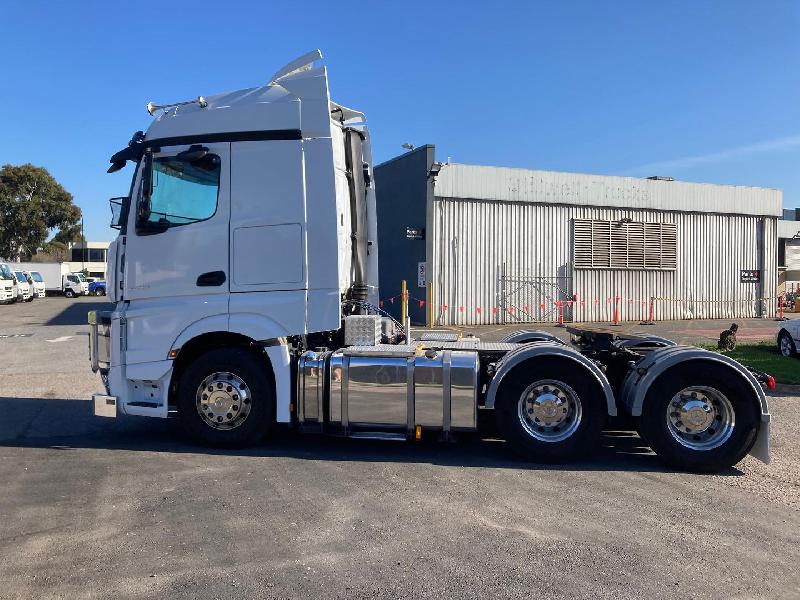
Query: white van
(8,285)
(24,291)
(38,284)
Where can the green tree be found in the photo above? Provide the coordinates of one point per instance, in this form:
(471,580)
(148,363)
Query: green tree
(32,203)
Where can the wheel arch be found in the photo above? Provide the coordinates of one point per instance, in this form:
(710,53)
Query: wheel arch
(524,336)
(538,351)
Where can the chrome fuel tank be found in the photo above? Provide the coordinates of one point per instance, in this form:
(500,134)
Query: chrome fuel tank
(390,387)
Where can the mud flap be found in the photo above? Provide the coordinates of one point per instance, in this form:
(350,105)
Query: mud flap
(760,449)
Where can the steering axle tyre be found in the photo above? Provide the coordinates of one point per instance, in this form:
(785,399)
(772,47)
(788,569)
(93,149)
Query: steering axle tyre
(69,293)
(226,399)
(550,411)
(700,417)
(786,344)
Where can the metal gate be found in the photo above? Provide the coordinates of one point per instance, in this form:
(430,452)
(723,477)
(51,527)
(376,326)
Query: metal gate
(528,299)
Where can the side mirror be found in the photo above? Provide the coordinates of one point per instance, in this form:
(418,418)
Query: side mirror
(116,205)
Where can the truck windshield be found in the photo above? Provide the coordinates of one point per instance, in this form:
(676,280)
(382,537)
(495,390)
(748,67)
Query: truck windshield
(81,276)
(20,276)
(36,276)
(5,272)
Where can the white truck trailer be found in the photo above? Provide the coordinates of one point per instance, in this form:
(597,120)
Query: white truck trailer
(52,273)
(244,283)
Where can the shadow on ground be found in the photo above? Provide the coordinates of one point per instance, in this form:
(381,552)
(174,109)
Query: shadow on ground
(70,425)
(75,313)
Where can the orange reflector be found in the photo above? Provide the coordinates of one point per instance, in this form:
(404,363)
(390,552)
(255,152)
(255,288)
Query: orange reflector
(418,432)
(291,407)
(173,353)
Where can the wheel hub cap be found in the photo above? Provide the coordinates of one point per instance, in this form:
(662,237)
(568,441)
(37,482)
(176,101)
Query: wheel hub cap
(700,418)
(223,400)
(549,410)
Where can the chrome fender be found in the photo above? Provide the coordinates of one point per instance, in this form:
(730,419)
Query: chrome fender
(547,350)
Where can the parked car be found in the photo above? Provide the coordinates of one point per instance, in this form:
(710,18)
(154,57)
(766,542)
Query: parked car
(24,289)
(788,337)
(97,287)
(39,287)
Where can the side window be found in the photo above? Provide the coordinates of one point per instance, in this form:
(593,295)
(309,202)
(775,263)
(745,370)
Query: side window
(184,192)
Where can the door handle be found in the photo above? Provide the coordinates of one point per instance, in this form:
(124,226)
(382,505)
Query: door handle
(211,279)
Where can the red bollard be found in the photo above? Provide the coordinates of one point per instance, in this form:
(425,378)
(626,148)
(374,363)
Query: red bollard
(651,313)
(560,306)
(616,312)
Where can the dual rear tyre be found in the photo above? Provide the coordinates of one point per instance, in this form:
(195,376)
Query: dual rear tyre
(697,417)
(700,417)
(552,411)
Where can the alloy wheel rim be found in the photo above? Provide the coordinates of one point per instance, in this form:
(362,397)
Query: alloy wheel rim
(549,410)
(700,418)
(223,401)
(786,345)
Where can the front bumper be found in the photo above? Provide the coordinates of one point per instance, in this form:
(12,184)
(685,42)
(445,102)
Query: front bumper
(104,405)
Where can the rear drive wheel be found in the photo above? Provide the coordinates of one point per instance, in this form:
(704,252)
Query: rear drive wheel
(550,411)
(226,399)
(786,344)
(700,418)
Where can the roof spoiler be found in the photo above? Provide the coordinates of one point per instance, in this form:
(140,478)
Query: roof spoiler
(302,63)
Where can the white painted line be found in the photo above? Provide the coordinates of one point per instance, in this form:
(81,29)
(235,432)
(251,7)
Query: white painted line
(63,338)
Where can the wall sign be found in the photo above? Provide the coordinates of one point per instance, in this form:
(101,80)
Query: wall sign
(750,276)
(415,233)
(422,276)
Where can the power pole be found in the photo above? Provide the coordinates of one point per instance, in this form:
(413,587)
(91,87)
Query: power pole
(83,250)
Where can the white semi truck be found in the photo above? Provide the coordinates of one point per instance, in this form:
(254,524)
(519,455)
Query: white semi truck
(244,283)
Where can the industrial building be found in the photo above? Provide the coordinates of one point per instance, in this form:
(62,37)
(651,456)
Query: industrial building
(89,256)
(789,251)
(483,245)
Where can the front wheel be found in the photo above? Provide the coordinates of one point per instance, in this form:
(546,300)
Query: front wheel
(226,399)
(700,418)
(550,411)
(69,293)
(786,344)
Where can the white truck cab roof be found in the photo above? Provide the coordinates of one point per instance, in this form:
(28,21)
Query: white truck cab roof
(294,104)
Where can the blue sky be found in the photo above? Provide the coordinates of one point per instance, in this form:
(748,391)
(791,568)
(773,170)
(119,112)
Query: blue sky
(701,91)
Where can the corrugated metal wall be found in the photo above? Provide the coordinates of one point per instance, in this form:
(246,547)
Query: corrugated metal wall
(500,261)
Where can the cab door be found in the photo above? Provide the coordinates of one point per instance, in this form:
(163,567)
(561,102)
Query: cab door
(176,246)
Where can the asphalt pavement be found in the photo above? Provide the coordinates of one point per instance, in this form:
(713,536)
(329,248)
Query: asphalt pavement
(128,508)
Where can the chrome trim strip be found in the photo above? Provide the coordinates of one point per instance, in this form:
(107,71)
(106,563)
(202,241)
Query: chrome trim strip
(446,397)
(345,385)
(410,415)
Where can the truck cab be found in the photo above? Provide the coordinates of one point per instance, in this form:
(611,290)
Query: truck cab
(8,285)
(244,285)
(83,281)
(24,288)
(38,284)
(71,285)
